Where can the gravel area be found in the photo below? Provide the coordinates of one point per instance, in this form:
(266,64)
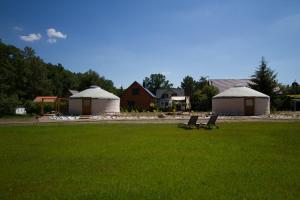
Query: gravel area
(150,118)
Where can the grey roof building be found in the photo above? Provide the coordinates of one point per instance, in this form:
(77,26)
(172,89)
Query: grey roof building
(170,92)
(224,84)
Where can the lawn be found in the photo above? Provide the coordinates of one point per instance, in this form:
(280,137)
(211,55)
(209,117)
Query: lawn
(150,161)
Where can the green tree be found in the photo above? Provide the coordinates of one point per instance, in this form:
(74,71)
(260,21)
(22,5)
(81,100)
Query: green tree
(200,92)
(202,99)
(203,81)
(155,82)
(36,82)
(23,76)
(189,85)
(264,80)
(294,88)
(8,104)
(93,78)
(120,91)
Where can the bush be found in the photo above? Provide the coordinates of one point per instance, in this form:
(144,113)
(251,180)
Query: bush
(48,107)
(8,104)
(31,107)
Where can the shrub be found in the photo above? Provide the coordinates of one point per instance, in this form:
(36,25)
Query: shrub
(8,104)
(31,107)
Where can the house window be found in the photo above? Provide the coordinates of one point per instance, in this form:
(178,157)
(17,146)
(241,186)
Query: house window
(164,96)
(135,91)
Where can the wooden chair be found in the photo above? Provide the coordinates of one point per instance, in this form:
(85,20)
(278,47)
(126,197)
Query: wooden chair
(192,123)
(211,123)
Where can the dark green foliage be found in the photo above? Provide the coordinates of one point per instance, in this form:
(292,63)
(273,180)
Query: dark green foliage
(200,92)
(92,78)
(203,81)
(189,85)
(8,104)
(155,82)
(23,76)
(202,98)
(120,91)
(264,80)
(294,88)
(282,100)
(31,107)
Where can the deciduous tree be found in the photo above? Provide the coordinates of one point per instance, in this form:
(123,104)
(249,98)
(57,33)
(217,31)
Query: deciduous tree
(155,82)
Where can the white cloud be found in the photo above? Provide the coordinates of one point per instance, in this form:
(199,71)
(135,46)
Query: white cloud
(31,37)
(53,34)
(18,28)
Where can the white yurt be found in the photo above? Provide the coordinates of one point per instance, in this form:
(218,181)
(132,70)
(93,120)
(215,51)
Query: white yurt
(93,101)
(241,101)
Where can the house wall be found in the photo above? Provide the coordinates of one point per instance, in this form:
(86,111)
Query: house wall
(164,103)
(168,102)
(169,92)
(142,100)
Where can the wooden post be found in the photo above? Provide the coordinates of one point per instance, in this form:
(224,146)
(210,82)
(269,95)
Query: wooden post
(58,104)
(42,107)
(55,106)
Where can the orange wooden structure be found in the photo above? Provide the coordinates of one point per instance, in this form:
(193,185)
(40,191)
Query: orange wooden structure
(50,99)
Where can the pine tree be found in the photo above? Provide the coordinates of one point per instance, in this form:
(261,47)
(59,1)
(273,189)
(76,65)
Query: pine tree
(264,80)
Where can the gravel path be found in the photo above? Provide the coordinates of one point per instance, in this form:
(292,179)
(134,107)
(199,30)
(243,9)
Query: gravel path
(148,118)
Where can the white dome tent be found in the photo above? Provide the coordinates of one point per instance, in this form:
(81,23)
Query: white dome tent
(93,101)
(241,101)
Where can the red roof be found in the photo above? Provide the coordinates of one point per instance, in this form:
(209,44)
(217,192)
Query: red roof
(45,99)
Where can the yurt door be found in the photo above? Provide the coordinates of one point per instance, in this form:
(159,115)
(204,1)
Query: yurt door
(86,106)
(249,106)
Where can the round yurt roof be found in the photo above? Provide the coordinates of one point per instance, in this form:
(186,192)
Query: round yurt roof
(239,91)
(95,92)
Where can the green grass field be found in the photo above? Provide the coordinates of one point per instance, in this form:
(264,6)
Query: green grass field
(150,161)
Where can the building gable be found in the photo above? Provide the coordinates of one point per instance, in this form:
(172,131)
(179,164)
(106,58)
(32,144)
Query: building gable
(137,96)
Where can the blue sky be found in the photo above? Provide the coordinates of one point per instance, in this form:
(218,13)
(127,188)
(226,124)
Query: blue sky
(128,40)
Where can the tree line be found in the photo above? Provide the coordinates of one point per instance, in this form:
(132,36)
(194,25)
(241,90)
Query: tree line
(24,75)
(201,92)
